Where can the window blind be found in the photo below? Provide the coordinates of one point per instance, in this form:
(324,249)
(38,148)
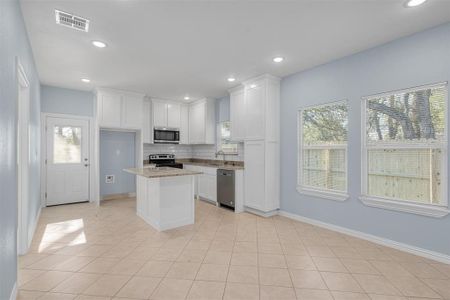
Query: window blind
(323,148)
(405,141)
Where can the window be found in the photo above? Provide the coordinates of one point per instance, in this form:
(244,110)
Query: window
(224,142)
(67,144)
(323,151)
(405,146)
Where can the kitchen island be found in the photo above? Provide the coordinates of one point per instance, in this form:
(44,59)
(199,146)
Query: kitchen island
(165,196)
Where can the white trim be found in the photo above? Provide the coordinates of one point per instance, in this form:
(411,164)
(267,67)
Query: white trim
(34,227)
(312,191)
(23,105)
(92,157)
(440,257)
(261,213)
(411,89)
(21,74)
(13,295)
(110,90)
(326,194)
(405,206)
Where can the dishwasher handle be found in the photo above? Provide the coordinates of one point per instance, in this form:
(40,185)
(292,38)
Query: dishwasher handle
(224,172)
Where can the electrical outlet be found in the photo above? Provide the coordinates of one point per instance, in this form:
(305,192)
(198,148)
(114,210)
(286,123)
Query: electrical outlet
(109,179)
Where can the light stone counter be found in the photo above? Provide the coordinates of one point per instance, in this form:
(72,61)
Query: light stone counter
(153,172)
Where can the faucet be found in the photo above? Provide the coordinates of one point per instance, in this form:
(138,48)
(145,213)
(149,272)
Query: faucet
(220,152)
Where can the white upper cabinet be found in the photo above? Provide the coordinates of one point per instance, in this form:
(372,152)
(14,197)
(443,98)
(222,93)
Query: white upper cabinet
(147,135)
(184,124)
(132,111)
(166,114)
(237,114)
(159,113)
(109,109)
(173,115)
(119,109)
(202,122)
(196,123)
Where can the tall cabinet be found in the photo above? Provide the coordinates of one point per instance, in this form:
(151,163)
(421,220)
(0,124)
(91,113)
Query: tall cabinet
(255,119)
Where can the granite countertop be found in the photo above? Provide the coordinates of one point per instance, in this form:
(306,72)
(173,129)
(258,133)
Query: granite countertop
(219,164)
(152,172)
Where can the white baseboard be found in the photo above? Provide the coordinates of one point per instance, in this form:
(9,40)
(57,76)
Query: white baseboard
(261,213)
(33,229)
(13,295)
(440,257)
(118,196)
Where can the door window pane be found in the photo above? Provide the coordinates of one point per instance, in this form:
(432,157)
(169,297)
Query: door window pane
(66,144)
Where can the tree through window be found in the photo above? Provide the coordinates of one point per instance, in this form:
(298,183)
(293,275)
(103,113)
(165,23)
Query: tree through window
(323,148)
(405,141)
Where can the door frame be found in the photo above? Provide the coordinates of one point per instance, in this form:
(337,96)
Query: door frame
(92,156)
(23,157)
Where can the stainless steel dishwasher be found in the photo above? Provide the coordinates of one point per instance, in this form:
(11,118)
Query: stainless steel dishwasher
(225,187)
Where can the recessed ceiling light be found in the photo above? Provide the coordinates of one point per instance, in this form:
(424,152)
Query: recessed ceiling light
(86,80)
(98,44)
(252,86)
(278,59)
(412,3)
(186,98)
(231,79)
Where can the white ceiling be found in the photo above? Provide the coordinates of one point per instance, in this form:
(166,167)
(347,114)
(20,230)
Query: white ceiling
(168,49)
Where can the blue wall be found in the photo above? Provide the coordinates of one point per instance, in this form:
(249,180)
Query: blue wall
(14,43)
(66,101)
(117,152)
(416,60)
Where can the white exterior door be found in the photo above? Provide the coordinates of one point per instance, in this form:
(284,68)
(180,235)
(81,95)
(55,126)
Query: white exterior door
(67,160)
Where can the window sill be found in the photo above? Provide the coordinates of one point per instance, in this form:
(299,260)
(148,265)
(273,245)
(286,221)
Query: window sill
(403,206)
(323,194)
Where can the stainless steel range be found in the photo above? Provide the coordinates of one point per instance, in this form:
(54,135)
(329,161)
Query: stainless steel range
(164,160)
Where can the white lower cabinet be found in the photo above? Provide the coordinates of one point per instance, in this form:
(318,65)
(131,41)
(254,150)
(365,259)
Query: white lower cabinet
(207,187)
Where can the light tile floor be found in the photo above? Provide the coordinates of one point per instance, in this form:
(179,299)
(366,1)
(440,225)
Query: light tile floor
(87,253)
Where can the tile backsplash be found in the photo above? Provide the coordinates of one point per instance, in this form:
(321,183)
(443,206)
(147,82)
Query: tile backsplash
(191,151)
(209,152)
(180,151)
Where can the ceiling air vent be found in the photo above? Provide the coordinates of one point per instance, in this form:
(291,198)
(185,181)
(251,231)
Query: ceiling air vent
(72,21)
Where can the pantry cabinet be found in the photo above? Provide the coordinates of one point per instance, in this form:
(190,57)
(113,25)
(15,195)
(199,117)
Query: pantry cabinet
(255,118)
(119,109)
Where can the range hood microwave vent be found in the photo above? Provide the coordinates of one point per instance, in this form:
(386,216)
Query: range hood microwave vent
(71,21)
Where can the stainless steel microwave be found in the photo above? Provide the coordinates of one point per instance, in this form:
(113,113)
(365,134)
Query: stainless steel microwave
(166,136)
